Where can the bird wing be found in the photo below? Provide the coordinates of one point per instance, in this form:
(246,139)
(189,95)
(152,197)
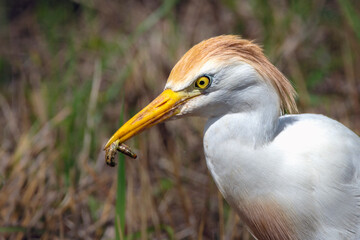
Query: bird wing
(330,154)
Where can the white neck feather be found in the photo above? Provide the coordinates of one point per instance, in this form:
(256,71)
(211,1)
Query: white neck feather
(253,127)
(247,131)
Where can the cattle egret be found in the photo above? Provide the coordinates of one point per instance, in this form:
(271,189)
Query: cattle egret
(290,176)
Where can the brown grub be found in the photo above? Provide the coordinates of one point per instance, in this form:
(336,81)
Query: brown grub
(111,151)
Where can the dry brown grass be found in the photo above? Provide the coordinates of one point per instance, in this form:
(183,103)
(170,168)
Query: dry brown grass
(64,68)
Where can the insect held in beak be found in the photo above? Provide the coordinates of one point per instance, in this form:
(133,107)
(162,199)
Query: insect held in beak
(166,105)
(111,151)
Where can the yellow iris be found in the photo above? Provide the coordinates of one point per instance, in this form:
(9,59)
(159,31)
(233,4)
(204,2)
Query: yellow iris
(202,82)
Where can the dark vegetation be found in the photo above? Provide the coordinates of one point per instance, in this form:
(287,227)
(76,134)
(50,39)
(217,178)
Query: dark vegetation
(71,70)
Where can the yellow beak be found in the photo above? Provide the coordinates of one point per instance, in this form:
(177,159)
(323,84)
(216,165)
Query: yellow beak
(161,108)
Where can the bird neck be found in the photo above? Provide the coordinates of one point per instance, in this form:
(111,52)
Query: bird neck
(239,155)
(253,128)
(231,145)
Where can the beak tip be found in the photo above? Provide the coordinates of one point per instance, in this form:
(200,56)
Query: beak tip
(107,145)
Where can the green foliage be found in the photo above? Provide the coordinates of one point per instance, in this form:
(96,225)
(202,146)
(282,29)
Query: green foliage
(5,71)
(352,15)
(120,206)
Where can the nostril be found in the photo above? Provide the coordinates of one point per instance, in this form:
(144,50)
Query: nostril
(161,104)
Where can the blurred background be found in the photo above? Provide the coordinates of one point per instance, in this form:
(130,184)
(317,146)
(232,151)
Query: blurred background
(70,71)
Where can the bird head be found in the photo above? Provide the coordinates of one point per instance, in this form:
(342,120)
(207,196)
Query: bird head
(217,76)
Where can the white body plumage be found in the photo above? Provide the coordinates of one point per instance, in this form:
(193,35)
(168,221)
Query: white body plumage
(301,170)
(311,179)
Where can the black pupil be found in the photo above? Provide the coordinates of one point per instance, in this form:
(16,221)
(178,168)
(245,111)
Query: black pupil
(202,82)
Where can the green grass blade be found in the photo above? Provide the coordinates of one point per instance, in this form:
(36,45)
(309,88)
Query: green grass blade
(149,22)
(13,229)
(121,178)
(351,16)
(120,191)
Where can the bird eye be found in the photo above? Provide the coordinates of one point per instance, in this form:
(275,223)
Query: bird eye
(202,82)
